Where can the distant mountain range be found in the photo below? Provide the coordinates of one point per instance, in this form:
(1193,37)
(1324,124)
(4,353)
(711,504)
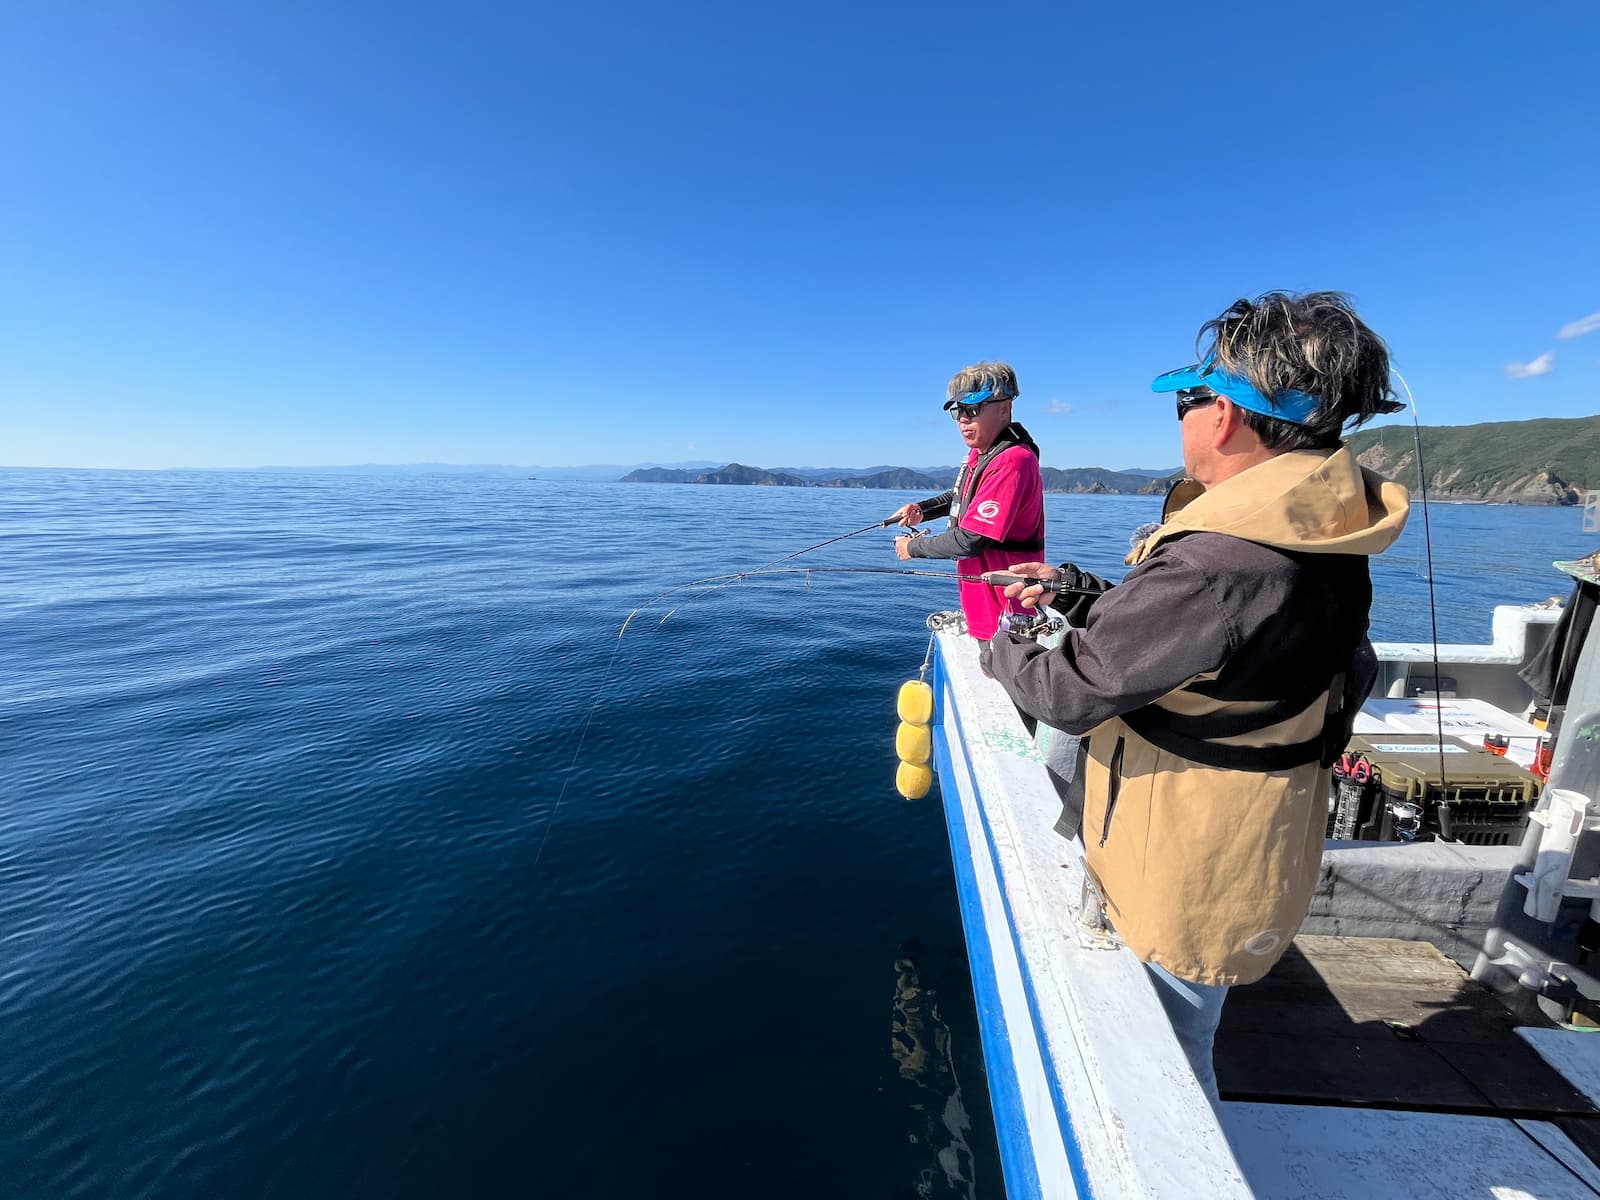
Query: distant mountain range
(1549,460)
(1086,480)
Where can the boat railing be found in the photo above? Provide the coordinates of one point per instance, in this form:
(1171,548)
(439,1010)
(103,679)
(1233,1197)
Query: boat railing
(1485,671)
(1559,860)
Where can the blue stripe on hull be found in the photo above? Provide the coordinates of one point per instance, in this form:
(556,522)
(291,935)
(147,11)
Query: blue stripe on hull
(1005,1092)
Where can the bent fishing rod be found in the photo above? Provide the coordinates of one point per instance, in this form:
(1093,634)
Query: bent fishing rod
(1427,539)
(993,578)
(883,524)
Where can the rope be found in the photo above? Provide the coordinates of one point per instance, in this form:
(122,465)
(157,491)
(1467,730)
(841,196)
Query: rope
(927,659)
(938,623)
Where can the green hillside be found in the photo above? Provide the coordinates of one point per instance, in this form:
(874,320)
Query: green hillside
(660,475)
(1097,481)
(897,478)
(738,473)
(1545,461)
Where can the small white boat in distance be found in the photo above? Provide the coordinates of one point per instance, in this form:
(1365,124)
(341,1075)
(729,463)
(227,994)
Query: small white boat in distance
(1368,1064)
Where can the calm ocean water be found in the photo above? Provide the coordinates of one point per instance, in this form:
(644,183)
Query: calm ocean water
(328,868)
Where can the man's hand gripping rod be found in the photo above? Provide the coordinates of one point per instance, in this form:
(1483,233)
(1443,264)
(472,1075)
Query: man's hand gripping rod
(1006,578)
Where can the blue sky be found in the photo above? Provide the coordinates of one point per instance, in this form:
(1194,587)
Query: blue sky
(561,234)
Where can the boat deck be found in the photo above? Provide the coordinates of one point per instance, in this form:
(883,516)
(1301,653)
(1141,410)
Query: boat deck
(1295,1152)
(1361,1067)
(1396,1030)
(1381,1022)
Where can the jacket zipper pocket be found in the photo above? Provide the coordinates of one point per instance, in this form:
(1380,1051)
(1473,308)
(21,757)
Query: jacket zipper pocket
(1113,788)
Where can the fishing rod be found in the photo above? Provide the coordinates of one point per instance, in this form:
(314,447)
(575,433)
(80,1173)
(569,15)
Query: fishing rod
(993,578)
(1427,541)
(883,524)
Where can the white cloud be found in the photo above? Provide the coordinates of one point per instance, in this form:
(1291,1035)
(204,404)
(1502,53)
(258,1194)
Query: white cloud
(1542,365)
(1058,408)
(1578,328)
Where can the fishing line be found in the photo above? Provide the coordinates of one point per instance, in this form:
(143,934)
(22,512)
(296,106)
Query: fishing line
(713,582)
(1390,467)
(572,767)
(719,581)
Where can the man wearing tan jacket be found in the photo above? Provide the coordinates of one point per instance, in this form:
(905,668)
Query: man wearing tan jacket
(1218,681)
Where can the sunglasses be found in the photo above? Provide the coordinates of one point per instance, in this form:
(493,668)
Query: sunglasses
(969,412)
(1194,398)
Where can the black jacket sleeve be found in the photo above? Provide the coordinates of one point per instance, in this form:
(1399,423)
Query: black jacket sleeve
(938,506)
(954,542)
(1157,630)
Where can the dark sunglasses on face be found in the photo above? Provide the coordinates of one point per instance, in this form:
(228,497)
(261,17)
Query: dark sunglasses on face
(1193,398)
(969,412)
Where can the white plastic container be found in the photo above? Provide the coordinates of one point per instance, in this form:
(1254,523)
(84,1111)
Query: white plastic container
(1563,819)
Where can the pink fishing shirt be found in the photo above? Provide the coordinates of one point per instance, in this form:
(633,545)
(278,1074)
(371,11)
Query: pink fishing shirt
(1008,507)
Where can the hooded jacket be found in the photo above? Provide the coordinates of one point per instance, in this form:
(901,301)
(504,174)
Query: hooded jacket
(1217,681)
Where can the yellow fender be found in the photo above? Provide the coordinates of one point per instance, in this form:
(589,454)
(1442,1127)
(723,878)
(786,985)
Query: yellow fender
(914,744)
(913,780)
(913,741)
(915,703)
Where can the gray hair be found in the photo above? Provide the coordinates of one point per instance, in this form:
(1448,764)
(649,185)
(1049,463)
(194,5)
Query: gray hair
(996,375)
(1312,343)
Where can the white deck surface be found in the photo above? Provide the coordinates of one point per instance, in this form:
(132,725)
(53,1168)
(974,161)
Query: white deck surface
(1291,1152)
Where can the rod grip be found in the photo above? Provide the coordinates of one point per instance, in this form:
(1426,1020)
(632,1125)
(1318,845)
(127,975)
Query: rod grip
(1003,578)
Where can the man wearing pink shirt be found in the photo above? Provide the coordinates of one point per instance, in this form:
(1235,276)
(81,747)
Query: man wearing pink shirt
(996,508)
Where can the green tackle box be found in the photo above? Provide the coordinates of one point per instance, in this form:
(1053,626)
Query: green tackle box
(1405,793)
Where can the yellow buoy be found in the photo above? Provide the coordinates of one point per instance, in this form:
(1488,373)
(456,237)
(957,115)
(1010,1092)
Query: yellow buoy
(914,744)
(913,780)
(915,704)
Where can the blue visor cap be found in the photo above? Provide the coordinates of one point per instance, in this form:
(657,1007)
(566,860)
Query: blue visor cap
(986,392)
(978,397)
(1294,407)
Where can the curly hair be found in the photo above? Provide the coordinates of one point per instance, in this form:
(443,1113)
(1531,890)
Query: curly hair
(1312,343)
(975,378)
